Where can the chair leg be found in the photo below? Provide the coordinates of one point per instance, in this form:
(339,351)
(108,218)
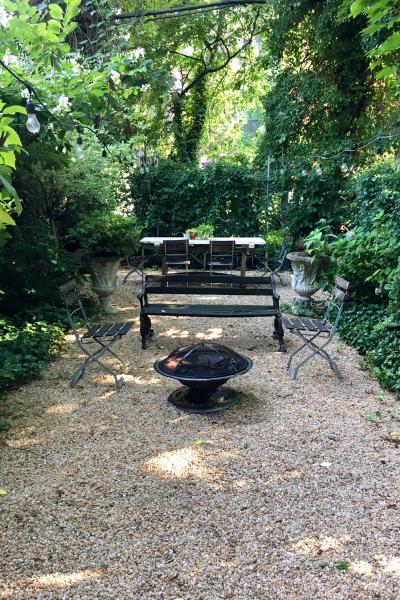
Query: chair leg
(91,358)
(77,375)
(107,347)
(119,381)
(314,350)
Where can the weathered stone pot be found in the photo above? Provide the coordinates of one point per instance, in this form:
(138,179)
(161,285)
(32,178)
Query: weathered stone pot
(305,270)
(103,271)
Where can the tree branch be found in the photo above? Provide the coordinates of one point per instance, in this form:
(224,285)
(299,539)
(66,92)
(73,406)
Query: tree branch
(221,66)
(181,9)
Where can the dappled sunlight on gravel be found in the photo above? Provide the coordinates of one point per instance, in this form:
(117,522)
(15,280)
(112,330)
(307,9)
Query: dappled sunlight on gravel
(290,495)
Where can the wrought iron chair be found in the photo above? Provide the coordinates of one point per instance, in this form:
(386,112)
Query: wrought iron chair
(175,254)
(103,334)
(310,329)
(222,254)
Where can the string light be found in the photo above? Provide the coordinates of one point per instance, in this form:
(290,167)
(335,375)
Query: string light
(32,122)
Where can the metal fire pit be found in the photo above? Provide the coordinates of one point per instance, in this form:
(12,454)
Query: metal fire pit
(202,369)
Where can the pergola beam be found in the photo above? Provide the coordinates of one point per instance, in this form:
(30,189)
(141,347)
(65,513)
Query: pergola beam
(182,9)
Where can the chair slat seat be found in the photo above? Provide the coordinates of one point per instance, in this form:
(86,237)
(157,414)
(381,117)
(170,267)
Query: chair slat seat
(107,330)
(305,324)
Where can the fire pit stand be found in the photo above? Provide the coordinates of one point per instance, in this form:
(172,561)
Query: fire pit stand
(202,369)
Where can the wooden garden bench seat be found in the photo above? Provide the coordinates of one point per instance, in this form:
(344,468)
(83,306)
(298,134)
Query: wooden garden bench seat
(203,284)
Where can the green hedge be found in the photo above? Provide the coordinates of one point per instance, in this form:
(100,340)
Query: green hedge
(173,197)
(366,328)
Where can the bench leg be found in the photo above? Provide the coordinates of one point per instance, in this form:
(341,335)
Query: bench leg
(279,333)
(145,329)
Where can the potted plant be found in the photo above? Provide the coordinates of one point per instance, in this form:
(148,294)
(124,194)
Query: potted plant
(204,231)
(192,233)
(306,264)
(106,238)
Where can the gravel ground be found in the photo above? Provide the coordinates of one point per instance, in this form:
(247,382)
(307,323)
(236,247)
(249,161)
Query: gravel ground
(120,496)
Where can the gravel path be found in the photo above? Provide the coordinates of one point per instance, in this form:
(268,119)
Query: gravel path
(120,496)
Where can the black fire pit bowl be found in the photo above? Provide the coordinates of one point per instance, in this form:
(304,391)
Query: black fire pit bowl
(202,369)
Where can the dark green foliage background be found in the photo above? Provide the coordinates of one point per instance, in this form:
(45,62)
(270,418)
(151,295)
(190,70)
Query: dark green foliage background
(176,196)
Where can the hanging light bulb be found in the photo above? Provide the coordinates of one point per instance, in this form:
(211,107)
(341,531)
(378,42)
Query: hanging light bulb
(79,144)
(32,123)
(344,168)
(318,171)
(304,172)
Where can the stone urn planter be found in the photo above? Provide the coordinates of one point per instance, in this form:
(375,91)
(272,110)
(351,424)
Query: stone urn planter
(305,270)
(103,271)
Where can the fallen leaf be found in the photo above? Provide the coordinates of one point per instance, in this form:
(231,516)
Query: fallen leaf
(3,492)
(325,464)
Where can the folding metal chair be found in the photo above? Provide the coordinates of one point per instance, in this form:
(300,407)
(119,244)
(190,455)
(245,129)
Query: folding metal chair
(277,264)
(222,254)
(310,329)
(103,334)
(175,254)
(136,263)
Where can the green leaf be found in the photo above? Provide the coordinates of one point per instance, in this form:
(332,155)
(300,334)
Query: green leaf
(5,218)
(12,110)
(56,12)
(358,7)
(8,187)
(69,28)
(391,44)
(386,72)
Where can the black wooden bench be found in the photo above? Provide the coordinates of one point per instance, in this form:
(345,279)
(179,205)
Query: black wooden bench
(203,284)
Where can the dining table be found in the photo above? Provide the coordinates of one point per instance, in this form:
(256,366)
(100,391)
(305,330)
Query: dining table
(243,244)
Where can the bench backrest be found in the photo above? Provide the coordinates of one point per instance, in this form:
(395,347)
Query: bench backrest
(210,285)
(176,247)
(75,311)
(335,306)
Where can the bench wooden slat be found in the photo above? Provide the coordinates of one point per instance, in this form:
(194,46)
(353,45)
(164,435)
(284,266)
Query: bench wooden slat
(210,310)
(201,278)
(339,294)
(210,291)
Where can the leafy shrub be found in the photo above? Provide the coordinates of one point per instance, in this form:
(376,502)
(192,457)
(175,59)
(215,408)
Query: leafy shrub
(32,266)
(107,234)
(373,190)
(25,347)
(394,304)
(366,328)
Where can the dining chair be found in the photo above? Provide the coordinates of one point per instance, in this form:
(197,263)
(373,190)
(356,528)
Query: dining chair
(175,254)
(222,254)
